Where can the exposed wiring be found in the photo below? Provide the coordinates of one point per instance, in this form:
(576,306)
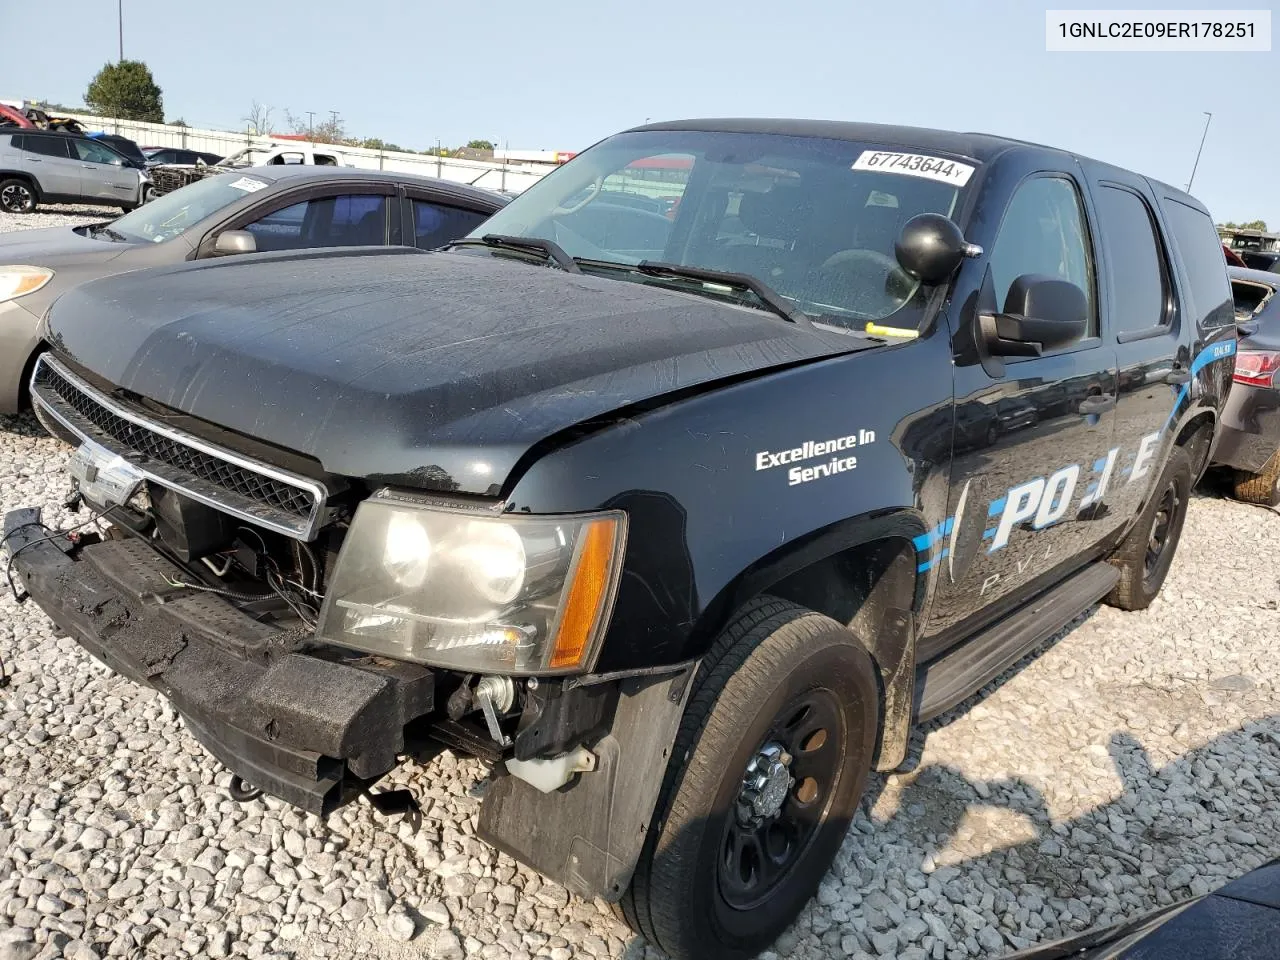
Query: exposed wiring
(220,591)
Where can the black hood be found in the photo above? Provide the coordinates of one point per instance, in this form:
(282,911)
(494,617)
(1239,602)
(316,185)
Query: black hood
(433,370)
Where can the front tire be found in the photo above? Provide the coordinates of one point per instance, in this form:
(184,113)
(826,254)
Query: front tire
(1146,554)
(1262,487)
(766,774)
(17,196)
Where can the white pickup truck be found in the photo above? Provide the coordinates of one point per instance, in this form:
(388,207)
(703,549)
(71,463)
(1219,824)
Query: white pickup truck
(170,176)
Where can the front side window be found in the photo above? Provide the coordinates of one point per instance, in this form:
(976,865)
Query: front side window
(1139,294)
(435,224)
(1043,232)
(346,221)
(91,152)
(1200,250)
(801,214)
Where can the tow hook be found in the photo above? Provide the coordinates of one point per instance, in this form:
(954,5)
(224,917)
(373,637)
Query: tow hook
(241,792)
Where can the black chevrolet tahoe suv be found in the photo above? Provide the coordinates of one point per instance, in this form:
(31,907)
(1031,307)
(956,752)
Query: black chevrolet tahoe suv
(678,492)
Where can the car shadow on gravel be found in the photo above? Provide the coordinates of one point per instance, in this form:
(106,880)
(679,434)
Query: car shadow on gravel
(985,869)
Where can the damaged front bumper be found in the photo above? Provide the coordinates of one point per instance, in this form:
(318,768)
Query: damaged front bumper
(310,726)
(316,727)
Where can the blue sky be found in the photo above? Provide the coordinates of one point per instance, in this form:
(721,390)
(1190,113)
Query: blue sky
(562,74)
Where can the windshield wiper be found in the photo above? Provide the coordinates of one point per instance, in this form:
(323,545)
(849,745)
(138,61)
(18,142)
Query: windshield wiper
(743,281)
(548,248)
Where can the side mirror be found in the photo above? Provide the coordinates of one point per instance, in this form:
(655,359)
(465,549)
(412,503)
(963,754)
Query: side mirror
(235,241)
(930,247)
(117,161)
(1040,313)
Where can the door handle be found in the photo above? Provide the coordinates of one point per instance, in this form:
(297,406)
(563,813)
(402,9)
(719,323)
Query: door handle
(33,159)
(88,166)
(1178,376)
(1101,403)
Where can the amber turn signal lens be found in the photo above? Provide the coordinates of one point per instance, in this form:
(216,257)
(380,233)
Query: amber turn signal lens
(587,595)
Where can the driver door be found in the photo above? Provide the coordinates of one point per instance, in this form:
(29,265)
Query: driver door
(1029,492)
(104,174)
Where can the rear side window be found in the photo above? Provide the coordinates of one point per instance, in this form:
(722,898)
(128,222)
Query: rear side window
(1248,297)
(1043,232)
(1139,292)
(1200,249)
(46,146)
(435,224)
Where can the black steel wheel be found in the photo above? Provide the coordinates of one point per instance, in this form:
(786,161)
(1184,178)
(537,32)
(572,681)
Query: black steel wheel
(1146,554)
(785,791)
(17,196)
(766,775)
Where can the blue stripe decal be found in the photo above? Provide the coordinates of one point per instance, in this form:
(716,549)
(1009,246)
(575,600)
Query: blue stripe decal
(925,541)
(988,534)
(1099,464)
(997,506)
(930,564)
(1220,350)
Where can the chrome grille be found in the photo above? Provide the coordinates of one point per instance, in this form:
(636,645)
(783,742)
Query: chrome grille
(231,482)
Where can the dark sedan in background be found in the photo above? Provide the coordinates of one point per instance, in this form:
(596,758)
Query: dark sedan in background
(1250,435)
(255,209)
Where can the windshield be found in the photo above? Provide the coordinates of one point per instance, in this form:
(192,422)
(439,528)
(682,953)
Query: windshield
(174,213)
(815,219)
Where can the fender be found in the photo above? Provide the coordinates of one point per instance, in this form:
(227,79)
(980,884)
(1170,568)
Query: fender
(724,489)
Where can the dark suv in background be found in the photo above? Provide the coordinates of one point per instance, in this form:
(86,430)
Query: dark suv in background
(51,167)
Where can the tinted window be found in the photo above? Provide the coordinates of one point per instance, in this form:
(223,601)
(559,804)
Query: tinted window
(435,225)
(1043,232)
(1138,292)
(354,221)
(178,211)
(46,146)
(92,152)
(1201,253)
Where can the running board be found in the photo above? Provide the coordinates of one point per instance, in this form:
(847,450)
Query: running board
(948,680)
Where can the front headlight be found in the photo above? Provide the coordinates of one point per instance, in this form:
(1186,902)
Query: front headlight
(472,590)
(18,281)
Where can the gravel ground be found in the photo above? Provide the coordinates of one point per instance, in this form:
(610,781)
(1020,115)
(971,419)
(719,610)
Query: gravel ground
(1133,763)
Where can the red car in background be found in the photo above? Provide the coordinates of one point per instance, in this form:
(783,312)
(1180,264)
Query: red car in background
(1233,258)
(8,116)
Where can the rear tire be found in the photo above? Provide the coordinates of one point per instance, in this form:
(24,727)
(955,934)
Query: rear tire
(1146,554)
(1262,487)
(17,196)
(766,774)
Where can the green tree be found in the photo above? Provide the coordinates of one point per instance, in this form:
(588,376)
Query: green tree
(179,122)
(1250,225)
(127,91)
(480,144)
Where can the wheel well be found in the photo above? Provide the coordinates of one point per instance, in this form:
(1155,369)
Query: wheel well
(873,588)
(1196,437)
(841,585)
(24,177)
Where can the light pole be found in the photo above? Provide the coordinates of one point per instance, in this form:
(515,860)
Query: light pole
(120,25)
(1209,120)
(311,127)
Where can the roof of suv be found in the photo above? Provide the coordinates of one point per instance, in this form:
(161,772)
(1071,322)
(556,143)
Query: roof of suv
(976,146)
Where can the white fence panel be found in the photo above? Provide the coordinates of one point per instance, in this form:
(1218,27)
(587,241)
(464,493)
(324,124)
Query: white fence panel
(513,177)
